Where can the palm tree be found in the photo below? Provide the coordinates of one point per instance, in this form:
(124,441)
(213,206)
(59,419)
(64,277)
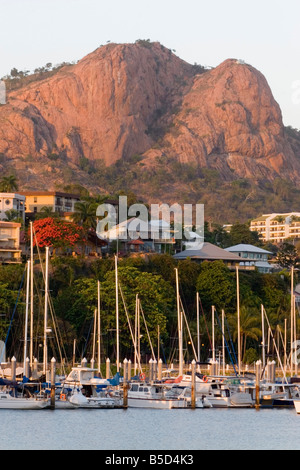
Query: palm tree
(9,184)
(85,214)
(249,326)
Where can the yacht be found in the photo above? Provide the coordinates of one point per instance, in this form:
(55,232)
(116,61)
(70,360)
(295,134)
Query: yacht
(144,395)
(10,402)
(87,390)
(216,393)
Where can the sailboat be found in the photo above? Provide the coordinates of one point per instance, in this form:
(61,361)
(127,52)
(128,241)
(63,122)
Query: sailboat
(11,402)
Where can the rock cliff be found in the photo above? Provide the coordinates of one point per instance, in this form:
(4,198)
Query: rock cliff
(140,99)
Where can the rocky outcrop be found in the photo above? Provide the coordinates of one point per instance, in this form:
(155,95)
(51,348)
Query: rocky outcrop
(128,99)
(100,108)
(230,121)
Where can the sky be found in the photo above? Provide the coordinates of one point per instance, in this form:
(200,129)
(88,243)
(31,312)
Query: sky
(264,33)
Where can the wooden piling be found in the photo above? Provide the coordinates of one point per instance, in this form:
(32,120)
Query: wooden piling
(257,384)
(53,374)
(125,387)
(107,376)
(193,391)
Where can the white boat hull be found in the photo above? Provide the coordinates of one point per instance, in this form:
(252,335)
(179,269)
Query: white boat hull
(8,402)
(82,401)
(153,403)
(216,402)
(297,406)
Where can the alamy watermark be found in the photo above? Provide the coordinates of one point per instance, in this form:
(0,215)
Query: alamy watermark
(155,222)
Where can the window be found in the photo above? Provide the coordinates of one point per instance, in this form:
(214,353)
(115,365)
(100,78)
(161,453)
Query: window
(35,199)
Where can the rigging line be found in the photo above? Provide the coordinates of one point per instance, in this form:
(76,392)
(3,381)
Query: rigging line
(232,345)
(207,331)
(87,338)
(150,342)
(194,350)
(226,342)
(130,328)
(274,342)
(59,341)
(14,311)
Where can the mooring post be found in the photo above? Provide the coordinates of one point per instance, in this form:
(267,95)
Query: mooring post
(53,374)
(257,383)
(13,368)
(193,391)
(125,389)
(107,368)
(27,368)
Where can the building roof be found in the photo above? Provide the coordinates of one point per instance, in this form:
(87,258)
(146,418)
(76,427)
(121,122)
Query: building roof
(242,247)
(50,193)
(11,195)
(4,224)
(208,251)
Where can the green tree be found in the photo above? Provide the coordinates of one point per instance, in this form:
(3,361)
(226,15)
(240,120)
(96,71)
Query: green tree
(287,256)
(249,327)
(77,303)
(9,184)
(216,285)
(85,214)
(241,233)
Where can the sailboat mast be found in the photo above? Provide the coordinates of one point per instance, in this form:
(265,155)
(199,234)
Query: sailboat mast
(117,313)
(292,316)
(179,314)
(238,318)
(31,296)
(99,331)
(198,327)
(26,315)
(263,337)
(213,332)
(46,311)
(223,340)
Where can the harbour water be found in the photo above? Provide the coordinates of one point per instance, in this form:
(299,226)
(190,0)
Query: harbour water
(150,429)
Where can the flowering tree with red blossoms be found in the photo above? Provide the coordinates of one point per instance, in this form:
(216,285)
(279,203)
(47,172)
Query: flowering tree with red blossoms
(57,233)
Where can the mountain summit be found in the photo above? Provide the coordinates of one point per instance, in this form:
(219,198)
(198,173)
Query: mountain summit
(128,100)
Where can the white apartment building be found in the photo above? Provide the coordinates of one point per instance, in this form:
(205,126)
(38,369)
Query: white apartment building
(10,250)
(12,201)
(277,227)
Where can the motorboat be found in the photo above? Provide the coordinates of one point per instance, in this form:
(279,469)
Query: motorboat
(156,395)
(100,401)
(278,394)
(178,391)
(85,389)
(216,393)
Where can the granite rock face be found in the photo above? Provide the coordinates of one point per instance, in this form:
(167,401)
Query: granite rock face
(129,99)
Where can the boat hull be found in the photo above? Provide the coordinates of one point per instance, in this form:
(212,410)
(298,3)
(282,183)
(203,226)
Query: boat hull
(153,403)
(297,406)
(22,404)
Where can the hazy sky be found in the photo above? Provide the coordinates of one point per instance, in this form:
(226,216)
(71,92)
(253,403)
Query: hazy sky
(264,33)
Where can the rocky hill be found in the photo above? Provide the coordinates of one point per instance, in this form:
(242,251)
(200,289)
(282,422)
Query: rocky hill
(135,116)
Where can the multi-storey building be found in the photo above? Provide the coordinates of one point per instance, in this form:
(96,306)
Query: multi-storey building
(277,227)
(10,251)
(12,202)
(253,256)
(58,201)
